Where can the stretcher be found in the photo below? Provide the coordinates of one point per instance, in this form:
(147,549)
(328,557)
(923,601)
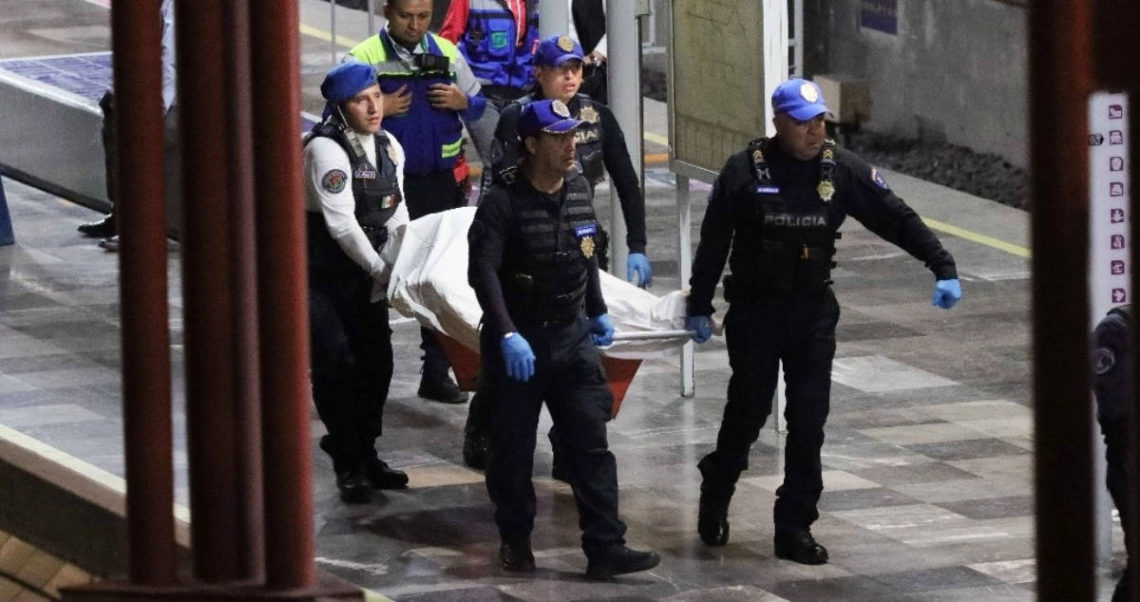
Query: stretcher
(429,283)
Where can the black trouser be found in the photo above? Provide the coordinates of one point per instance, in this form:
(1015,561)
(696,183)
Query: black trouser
(351,353)
(798,330)
(569,378)
(429,193)
(1117,478)
(172,167)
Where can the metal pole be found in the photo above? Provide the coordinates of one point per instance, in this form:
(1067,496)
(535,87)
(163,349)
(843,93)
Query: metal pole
(250,535)
(1060,69)
(332,32)
(283,297)
(624,81)
(553,18)
(685,265)
(371,17)
(1116,23)
(206,286)
(147,432)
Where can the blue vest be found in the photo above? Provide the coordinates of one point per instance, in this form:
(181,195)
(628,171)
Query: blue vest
(489,44)
(432,138)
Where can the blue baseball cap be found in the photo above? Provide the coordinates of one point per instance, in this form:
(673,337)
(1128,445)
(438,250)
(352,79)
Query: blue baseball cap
(801,99)
(550,116)
(555,50)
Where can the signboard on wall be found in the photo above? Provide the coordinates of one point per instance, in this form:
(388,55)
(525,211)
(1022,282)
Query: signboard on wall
(881,15)
(1109,190)
(717,89)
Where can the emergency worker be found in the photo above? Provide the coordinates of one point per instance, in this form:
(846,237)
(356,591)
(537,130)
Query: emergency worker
(354,204)
(534,272)
(774,215)
(498,38)
(600,146)
(1115,402)
(427,88)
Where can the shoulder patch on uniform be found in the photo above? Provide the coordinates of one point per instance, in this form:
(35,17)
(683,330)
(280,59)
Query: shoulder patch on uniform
(334,180)
(1104,361)
(877,178)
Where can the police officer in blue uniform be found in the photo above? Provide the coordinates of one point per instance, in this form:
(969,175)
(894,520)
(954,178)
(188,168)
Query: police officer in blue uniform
(600,146)
(535,274)
(1115,398)
(353,203)
(774,215)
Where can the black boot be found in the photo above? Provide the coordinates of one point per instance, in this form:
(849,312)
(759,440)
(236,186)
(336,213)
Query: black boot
(353,486)
(618,560)
(515,555)
(103,228)
(476,449)
(382,476)
(712,515)
(799,546)
(440,388)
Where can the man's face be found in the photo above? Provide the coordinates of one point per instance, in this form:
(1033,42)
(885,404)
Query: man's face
(364,111)
(553,153)
(560,82)
(408,20)
(800,139)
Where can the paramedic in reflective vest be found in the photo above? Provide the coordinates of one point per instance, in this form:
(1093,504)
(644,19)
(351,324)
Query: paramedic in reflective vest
(600,146)
(774,215)
(1115,401)
(353,201)
(427,88)
(498,38)
(534,272)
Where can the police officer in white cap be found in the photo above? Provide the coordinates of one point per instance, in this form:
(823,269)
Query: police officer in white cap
(774,215)
(354,204)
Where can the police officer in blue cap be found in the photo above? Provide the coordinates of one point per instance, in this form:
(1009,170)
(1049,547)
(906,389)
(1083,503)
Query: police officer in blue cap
(534,270)
(354,204)
(600,147)
(774,215)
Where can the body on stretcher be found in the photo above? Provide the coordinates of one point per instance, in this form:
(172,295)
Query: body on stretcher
(429,282)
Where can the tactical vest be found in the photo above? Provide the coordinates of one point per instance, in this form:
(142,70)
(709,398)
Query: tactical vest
(546,269)
(784,243)
(489,43)
(377,195)
(432,138)
(588,137)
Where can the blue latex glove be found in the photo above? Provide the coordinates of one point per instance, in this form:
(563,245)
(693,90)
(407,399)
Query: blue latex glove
(518,357)
(946,293)
(639,263)
(702,327)
(602,330)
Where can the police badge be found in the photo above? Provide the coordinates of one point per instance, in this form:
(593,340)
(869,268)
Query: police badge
(566,44)
(588,114)
(587,246)
(826,190)
(585,236)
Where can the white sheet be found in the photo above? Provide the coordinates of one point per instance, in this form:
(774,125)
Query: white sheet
(429,283)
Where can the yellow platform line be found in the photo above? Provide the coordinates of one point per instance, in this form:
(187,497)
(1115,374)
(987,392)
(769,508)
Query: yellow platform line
(972,236)
(322,34)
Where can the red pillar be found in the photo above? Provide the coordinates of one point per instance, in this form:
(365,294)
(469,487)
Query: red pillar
(140,211)
(207,290)
(1060,79)
(283,297)
(242,231)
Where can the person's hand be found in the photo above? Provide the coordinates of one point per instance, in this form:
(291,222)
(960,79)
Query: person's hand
(602,330)
(946,293)
(595,58)
(398,102)
(447,96)
(639,263)
(701,327)
(518,357)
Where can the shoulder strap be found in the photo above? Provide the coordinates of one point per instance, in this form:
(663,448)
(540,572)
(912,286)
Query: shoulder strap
(759,163)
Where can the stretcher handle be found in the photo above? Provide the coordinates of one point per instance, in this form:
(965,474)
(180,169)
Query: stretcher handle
(653,336)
